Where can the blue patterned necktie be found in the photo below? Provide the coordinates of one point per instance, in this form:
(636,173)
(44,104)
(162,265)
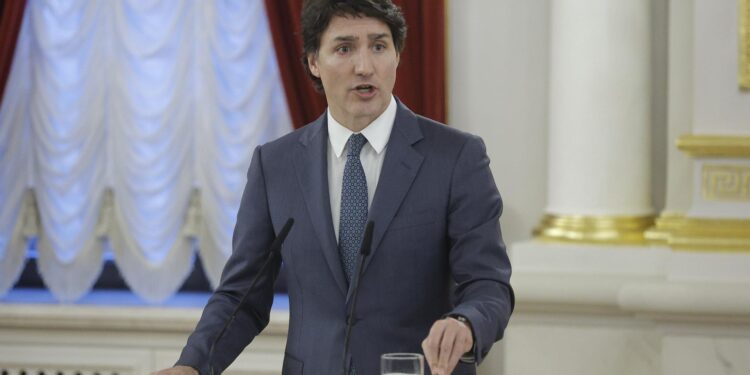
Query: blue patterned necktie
(353,206)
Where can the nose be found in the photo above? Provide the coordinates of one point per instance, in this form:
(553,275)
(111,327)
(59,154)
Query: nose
(363,64)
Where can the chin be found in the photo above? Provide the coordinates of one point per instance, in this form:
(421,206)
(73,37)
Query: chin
(371,107)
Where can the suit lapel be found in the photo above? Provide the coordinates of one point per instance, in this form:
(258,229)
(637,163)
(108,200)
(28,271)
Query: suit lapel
(310,164)
(400,167)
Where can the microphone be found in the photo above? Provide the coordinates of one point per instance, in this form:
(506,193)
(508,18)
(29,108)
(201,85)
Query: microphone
(272,251)
(364,251)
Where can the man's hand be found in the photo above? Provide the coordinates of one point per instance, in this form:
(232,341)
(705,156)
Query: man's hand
(448,340)
(177,370)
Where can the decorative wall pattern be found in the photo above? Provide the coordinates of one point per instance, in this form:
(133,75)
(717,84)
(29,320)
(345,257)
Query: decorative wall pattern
(726,182)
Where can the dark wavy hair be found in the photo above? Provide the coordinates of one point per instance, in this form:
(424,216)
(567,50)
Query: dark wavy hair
(317,14)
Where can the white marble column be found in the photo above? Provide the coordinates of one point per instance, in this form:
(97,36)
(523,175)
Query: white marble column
(679,187)
(599,119)
(644,309)
(679,165)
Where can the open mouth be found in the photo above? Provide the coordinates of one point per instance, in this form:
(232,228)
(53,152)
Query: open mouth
(365,89)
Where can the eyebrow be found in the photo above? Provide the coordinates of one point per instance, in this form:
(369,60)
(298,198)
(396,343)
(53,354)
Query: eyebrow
(351,38)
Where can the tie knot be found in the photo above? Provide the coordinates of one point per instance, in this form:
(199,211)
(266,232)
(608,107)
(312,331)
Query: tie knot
(356,142)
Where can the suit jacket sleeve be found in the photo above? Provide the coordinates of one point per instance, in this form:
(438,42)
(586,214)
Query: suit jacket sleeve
(478,259)
(253,235)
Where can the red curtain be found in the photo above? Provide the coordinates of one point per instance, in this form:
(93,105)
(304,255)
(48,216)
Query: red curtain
(11,17)
(421,73)
(305,104)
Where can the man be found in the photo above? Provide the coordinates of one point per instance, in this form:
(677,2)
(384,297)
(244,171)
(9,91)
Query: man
(437,279)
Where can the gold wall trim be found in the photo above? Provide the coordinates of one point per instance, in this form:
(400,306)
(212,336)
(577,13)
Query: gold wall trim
(594,229)
(725,182)
(700,234)
(715,145)
(744,47)
(665,224)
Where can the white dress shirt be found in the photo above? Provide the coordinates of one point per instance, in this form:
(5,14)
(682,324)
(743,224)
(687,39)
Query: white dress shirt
(371,157)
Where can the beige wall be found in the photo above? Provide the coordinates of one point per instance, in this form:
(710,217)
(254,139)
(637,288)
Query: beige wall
(719,106)
(497,89)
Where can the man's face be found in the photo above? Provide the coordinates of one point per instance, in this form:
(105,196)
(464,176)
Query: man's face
(357,63)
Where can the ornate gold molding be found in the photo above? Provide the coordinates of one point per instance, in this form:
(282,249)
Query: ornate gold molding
(715,145)
(665,224)
(700,234)
(744,47)
(594,229)
(725,182)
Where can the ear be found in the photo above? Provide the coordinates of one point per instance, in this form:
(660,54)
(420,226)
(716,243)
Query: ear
(312,62)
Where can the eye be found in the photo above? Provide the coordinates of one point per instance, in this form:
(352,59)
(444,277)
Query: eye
(380,47)
(344,49)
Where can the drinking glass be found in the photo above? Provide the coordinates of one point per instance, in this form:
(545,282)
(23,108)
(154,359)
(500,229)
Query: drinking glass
(402,364)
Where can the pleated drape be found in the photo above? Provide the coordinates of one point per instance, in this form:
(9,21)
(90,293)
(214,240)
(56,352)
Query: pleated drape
(133,123)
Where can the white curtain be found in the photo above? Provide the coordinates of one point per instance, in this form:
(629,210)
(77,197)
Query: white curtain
(133,123)
(15,156)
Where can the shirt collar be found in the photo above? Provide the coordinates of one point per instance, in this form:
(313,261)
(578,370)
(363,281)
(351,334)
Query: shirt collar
(377,133)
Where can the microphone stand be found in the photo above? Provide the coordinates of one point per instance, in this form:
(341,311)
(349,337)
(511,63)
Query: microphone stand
(363,253)
(272,251)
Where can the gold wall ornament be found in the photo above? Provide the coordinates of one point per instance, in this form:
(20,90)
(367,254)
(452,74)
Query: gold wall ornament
(715,145)
(744,47)
(725,182)
(700,234)
(618,230)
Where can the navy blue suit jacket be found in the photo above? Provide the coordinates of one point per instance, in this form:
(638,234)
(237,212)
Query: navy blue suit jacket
(437,250)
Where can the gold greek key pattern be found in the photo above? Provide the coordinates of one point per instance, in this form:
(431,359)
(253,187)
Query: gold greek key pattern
(726,182)
(744,49)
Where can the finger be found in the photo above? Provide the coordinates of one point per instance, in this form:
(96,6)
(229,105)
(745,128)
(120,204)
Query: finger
(429,355)
(446,347)
(463,338)
(430,345)
(468,340)
(459,348)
